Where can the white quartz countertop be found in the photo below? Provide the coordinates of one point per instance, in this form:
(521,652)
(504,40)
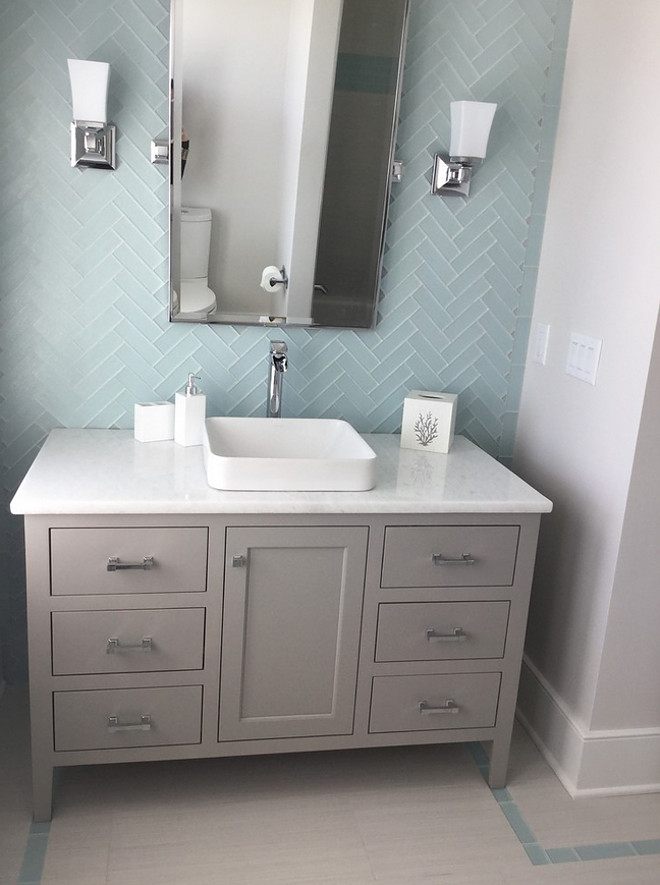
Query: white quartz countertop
(107,471)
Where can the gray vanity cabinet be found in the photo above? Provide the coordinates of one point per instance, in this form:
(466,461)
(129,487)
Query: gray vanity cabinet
(182,636)
(291,631)
(215,624)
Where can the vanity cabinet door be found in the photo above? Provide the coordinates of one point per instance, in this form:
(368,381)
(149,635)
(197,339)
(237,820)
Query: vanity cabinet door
(291,629)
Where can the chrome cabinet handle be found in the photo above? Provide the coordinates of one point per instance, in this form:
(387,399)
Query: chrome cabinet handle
(114,645)
(450,706)
(115,564)
(465,559)
(143,725)
(458,634)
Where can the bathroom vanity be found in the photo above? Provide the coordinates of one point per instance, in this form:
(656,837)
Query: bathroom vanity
(169,620)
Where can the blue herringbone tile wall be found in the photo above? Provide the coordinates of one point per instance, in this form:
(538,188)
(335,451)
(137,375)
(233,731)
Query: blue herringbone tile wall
(83,319)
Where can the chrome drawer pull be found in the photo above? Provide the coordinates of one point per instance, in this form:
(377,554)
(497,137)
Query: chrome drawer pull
(450,706)
(458,634)
(115,565)
(113,645)
(143,725)
(466,559)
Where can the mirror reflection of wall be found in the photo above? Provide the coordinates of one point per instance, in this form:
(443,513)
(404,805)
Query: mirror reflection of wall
(365,104)
(262,81)
(232,114)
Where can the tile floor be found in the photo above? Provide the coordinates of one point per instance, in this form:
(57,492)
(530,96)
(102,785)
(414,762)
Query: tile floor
(401,816)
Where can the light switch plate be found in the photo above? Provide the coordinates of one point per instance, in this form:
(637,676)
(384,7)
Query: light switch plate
(541,343)
(583,357)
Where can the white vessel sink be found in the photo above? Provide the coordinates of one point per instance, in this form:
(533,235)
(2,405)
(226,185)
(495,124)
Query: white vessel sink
(287,454)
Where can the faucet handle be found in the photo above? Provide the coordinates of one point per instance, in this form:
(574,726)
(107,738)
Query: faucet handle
(278,351)
(277,365)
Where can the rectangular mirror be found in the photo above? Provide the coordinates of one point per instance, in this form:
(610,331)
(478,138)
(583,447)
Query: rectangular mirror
(281,180)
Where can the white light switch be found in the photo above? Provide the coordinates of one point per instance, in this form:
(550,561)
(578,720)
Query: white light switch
(583,357)
(541,343)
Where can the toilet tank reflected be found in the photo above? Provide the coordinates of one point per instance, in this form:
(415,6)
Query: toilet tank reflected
(196,300)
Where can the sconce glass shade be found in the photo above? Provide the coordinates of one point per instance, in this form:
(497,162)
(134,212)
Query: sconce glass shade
(470,128)
(89,90)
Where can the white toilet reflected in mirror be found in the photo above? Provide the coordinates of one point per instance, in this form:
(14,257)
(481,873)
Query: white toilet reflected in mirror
(196,300)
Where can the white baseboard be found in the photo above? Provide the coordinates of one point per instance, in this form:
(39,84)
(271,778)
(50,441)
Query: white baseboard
(587,762)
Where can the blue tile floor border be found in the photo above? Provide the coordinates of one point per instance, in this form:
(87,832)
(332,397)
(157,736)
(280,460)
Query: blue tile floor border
(539,855)
(35,853)
(37,842)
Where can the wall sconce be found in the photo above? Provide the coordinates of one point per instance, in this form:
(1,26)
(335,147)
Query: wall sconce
(470,128)
(92,137)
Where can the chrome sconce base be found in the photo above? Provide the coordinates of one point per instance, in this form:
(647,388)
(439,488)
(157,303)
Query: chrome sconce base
(453,175)
(160,151)
(93,145)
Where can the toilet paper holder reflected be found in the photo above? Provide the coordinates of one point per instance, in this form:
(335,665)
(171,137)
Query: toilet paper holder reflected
(273,277)
(283,278)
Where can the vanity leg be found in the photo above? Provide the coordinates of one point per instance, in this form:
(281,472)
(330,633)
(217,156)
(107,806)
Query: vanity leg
(42,792)
(499,762)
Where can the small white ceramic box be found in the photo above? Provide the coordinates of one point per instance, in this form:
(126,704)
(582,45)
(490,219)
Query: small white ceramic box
(153,421)
(428,421)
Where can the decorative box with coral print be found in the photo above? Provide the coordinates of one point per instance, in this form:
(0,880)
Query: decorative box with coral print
(428,421)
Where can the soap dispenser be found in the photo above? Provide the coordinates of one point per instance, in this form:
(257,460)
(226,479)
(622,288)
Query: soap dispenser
(189,414)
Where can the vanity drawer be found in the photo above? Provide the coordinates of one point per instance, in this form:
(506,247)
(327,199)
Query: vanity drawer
(131,717)
(127,641)
(449,556)
(432,702)
(86,561)
(441,631)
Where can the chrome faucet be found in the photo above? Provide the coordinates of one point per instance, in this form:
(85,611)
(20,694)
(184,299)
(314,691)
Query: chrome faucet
(277,366)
